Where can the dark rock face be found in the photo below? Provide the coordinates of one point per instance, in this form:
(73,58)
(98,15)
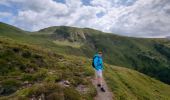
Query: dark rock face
(72,35)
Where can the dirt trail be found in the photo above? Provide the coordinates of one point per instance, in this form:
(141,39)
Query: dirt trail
(102,95)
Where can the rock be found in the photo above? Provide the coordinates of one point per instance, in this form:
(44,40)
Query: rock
(42,97)
(51,72)
(82,89)
(29,70)
(26,82)
(33,98)
(29,85)
(65,83)
(1,90)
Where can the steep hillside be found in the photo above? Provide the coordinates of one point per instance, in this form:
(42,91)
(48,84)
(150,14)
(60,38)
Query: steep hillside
(131,85)
(28,71)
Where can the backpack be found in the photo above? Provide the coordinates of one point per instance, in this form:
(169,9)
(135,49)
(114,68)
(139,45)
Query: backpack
(93,61)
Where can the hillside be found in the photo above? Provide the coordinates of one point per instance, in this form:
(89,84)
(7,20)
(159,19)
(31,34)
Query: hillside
(56,57)
(29,71)
(9,30)
(128,84)
(33,72)
(149,56)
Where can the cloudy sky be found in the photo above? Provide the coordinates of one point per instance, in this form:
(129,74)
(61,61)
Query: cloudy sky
(139,18)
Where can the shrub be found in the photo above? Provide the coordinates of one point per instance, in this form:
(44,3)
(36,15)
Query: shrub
(71,94)
(10,86)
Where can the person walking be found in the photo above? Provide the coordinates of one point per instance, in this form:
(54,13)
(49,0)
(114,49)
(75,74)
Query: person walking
(98,66)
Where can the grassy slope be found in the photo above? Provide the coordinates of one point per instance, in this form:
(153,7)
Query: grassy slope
(49,69)
(126,84)
(42,40)
(131,85)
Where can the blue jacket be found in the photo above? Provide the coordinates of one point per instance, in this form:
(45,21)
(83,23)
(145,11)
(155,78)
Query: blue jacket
(98,62)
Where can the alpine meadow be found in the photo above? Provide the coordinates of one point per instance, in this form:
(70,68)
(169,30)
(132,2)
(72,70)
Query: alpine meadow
(55,63)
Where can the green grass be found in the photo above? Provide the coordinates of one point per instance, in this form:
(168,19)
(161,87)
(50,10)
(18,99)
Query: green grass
(131,85)
(126,84)
(49,68)
(67,43)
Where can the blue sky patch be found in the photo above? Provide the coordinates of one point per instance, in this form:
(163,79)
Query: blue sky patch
(124,2)
(86,2)
(60,1)
(101,14)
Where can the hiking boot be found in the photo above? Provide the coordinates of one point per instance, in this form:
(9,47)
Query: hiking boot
(102,89)
(99,85)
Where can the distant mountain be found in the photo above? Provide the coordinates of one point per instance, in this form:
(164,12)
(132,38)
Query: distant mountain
(5,29)
(71,34)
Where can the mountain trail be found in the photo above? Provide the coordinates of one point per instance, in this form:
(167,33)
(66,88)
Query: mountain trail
(102,95)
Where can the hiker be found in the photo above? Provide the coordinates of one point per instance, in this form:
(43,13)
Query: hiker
(98,66)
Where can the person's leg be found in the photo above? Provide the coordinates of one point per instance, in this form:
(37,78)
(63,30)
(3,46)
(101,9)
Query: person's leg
(101,81)
(97,78)
(100,77)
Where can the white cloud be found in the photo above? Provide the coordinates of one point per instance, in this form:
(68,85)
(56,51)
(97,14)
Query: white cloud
(131,17)
(144,18)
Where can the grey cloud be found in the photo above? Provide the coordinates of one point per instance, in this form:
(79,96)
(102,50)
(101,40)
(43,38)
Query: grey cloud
(145,20)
